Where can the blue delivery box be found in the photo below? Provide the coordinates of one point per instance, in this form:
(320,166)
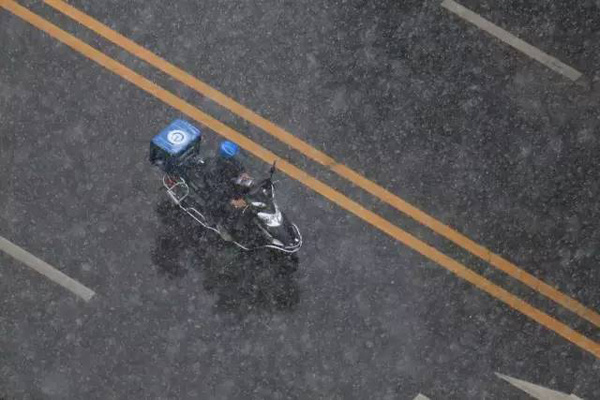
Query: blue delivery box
(174,144)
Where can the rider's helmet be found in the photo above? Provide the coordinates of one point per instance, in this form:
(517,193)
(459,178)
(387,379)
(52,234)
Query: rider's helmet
(228,149)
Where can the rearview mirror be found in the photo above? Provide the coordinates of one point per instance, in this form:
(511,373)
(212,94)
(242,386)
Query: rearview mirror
(273,169)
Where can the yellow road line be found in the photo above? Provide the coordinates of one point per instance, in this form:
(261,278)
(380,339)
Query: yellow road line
(301,176)
(322,158)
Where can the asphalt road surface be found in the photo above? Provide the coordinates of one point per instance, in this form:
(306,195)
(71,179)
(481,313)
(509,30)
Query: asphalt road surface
(438,112)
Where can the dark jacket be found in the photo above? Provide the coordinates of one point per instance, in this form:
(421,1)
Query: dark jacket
(223,173)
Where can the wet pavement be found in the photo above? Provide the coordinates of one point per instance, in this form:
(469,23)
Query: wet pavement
(448,118)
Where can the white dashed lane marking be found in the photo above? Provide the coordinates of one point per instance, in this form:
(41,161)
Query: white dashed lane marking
(512,40)
(537,391)
(421,397)
(45,269)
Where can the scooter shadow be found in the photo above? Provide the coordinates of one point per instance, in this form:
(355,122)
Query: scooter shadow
(244,282)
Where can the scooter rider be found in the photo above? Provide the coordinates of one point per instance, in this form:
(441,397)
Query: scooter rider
(230,184)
